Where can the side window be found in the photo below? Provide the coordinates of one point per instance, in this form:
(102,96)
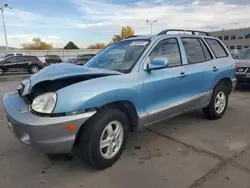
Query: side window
(193,50)
(12,60)
(205,50)
(217,48)
(169,49)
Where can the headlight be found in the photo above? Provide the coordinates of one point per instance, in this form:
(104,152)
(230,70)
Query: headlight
(44,103)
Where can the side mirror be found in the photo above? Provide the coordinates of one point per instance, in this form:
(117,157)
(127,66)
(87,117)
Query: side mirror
(157,63)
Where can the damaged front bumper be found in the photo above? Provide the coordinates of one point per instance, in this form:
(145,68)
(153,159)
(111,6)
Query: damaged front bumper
(48,134)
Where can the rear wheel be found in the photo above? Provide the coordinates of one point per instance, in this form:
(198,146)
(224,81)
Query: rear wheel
(218,103)
(34,69)
(1,71)
(103,138)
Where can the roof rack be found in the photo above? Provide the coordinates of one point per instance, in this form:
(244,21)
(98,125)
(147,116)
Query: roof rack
(193,32)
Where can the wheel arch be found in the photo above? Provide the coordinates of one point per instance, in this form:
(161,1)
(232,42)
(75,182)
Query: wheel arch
(225,81)
(126,107)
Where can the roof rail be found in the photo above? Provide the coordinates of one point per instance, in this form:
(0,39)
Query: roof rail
(193,32)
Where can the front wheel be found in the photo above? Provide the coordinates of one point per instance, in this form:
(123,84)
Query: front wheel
(103,138)
(218,103)
(34,69)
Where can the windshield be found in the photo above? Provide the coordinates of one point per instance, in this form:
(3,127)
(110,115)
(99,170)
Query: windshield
(120,56)
(245,55)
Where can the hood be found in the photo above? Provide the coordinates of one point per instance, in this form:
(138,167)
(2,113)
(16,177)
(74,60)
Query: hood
(67,70)
(242,63)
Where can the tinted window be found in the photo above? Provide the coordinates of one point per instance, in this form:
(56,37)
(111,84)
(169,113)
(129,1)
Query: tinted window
(220,37)
(246,46)
(169,49)
(12,60)
(233,37)
(239,47)
(19,54)
(240,36)
(247,36)
(232,47)
(205,50)
(193,50)
(217,48)
(226,37)
(9,55)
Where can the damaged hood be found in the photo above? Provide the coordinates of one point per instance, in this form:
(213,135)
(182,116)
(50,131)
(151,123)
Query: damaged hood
(66,70)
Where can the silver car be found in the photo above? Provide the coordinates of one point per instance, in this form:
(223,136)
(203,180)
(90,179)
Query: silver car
(243,67)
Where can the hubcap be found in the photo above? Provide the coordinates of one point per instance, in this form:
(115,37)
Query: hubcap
(220,102)
(111,139)
(34,69)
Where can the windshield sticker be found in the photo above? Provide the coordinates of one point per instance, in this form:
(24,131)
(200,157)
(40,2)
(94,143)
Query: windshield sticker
(139,43)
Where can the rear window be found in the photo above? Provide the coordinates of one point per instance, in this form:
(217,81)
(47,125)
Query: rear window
(217,48)
(193,50)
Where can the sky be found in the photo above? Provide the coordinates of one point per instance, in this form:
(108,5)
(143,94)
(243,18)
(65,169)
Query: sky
(87,22)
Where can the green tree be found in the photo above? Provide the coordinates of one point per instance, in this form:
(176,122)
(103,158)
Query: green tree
(125,32)
(37,44)
(70,45)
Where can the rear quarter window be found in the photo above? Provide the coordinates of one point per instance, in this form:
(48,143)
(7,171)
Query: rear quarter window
(217,48)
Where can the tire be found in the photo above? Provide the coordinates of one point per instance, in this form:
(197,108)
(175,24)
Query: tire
(34,69)
(95,130)
(1,71)
(212,111)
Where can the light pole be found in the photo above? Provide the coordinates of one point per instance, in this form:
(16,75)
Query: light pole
(2,8)
(151,24)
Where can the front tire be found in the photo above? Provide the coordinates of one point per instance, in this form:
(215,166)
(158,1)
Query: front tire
(34,69)
(218,103)
(103,138)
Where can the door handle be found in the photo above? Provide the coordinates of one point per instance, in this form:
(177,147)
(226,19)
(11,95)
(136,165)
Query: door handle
(183,75)
(215,69)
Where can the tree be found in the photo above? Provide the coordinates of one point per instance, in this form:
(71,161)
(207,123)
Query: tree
(125,32)
(37,44)
(70,45)
(97,46)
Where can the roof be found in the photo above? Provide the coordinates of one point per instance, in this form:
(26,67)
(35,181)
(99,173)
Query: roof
(155,37)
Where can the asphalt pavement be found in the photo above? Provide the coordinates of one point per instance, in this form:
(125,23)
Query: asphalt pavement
(185,152)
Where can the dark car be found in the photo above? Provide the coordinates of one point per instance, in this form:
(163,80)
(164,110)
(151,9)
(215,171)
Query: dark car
(51,59)
(21,63)
(243,68)
(82,59)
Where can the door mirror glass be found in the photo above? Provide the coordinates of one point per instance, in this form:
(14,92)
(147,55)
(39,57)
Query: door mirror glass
(157,63)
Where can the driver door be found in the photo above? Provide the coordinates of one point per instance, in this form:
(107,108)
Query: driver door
(164,89)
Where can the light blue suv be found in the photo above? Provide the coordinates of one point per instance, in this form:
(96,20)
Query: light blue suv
(125,87)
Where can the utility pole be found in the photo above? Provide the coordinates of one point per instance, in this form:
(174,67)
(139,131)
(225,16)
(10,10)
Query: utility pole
(151,25)
(4,29)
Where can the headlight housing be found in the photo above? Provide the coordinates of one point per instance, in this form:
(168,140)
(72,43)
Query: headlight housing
(44,103)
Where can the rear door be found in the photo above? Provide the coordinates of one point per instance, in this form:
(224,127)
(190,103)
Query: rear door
(199,70)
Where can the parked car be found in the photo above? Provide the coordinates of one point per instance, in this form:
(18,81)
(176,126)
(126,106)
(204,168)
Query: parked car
(10,54)
(243,67)
(50,59)
(20,63)
(130,84)
(82,59)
